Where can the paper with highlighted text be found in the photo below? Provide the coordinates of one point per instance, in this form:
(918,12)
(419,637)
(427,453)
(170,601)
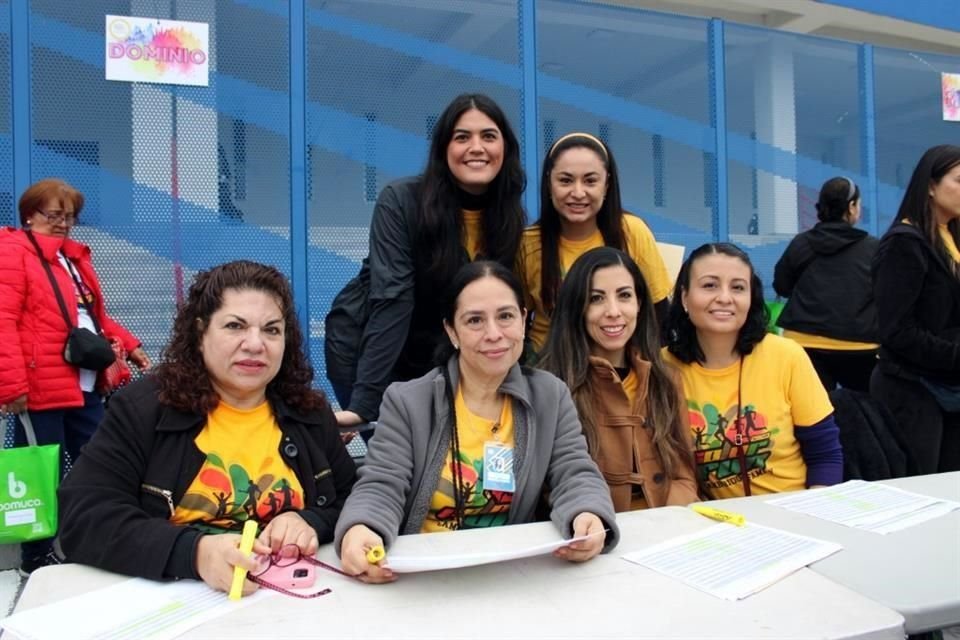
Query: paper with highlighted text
(732,562)
(867,505)
(130,610)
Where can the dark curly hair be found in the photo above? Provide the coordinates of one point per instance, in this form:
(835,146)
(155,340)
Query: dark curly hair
(682,339)
(182,376)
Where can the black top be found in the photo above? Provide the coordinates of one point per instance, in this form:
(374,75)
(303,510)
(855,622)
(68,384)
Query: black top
(918,306)
(112,513)
(825,273)
(401,305)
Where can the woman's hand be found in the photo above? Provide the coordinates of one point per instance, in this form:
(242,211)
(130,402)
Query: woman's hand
(353,555)
(585,524)
(217,555)
(140,358)
(18,405)
(290,528)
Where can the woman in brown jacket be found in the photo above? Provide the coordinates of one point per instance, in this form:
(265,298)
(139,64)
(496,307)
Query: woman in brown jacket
(605,344)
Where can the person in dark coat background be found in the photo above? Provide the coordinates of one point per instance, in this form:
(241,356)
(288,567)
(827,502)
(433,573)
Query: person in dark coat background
(825,274)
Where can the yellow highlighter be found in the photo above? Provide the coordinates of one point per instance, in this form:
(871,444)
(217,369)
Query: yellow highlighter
(376,554)
(246,546)
(717,514)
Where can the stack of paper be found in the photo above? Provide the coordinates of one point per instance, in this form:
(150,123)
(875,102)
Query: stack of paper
(129,610)
(733,562)
(867,505)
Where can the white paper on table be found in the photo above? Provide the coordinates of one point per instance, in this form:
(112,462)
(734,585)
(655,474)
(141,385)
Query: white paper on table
(867,505)
(415,563)
(733,562)
(905,521)
(132,609)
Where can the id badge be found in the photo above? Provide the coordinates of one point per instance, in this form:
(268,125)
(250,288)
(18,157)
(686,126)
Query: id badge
(498,467)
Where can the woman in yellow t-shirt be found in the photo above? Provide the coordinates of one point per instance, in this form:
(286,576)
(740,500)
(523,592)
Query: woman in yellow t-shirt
(761,419)
(580,209)
(473,443)
(226,430)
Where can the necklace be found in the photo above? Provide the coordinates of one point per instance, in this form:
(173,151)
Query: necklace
(494,428)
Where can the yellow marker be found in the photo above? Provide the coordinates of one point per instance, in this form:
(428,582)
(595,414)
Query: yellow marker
(376,554)
(717,514)
(246,546)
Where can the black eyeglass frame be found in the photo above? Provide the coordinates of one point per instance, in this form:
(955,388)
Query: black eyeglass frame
(69,219)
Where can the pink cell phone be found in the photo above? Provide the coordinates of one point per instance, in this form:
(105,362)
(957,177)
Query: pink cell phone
(299,575)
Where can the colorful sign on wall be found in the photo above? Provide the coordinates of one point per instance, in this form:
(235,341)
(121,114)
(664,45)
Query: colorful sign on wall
(154,50)
(951,96)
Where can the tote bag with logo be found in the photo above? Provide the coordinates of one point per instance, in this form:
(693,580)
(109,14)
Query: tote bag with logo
(28,490)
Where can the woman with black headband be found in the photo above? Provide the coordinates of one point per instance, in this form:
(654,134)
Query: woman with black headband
(825,274)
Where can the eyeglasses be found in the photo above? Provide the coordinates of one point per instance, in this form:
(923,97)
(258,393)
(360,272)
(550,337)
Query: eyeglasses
(68,219)
(289,555)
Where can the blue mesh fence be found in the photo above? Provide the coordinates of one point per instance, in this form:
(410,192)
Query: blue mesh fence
(909,118)
(178,179)
(6,150)
(377,78)
(640,84)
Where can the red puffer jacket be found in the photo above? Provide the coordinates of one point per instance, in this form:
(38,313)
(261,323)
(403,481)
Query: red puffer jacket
(32,330)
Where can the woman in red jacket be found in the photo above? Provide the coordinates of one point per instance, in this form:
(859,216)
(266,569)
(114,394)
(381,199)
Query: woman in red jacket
(60,399)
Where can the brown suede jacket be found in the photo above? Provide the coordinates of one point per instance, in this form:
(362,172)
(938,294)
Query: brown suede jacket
(625,453)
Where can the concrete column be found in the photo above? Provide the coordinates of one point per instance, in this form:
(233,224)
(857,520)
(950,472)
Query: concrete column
(776,125)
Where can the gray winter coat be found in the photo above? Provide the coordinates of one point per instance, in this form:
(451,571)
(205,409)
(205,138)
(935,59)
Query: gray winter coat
(402,467)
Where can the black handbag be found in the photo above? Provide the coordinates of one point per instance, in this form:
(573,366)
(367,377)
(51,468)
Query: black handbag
(84,349)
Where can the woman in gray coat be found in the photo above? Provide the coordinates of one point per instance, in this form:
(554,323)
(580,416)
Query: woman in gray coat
(475,443)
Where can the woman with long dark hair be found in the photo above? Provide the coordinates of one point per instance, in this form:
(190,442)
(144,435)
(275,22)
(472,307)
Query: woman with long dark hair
(825,274)
(227,430)
(473,442)
(605,345)
(386,323)
(916,281)
(761,419)
(580,209)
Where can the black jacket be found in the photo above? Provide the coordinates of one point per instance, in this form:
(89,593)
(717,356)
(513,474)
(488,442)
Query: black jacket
(869,437)
(112,511)
(918,305)
(386,323)
(825,273)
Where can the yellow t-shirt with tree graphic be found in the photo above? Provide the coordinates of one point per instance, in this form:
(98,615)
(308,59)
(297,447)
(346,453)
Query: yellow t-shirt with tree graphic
(244,475)
(483,508)
(779,389)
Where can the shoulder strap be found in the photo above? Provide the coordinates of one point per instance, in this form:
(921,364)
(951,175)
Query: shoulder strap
(53,281)
(741,454)
(83,298)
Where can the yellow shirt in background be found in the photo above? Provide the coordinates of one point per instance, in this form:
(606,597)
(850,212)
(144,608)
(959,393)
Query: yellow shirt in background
(472,232)
(948,242)
(243,476)
(812,341)
(482,508)
(630,385)
(640,245)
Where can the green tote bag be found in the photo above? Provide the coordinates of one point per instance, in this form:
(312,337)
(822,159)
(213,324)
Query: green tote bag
(28,489)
